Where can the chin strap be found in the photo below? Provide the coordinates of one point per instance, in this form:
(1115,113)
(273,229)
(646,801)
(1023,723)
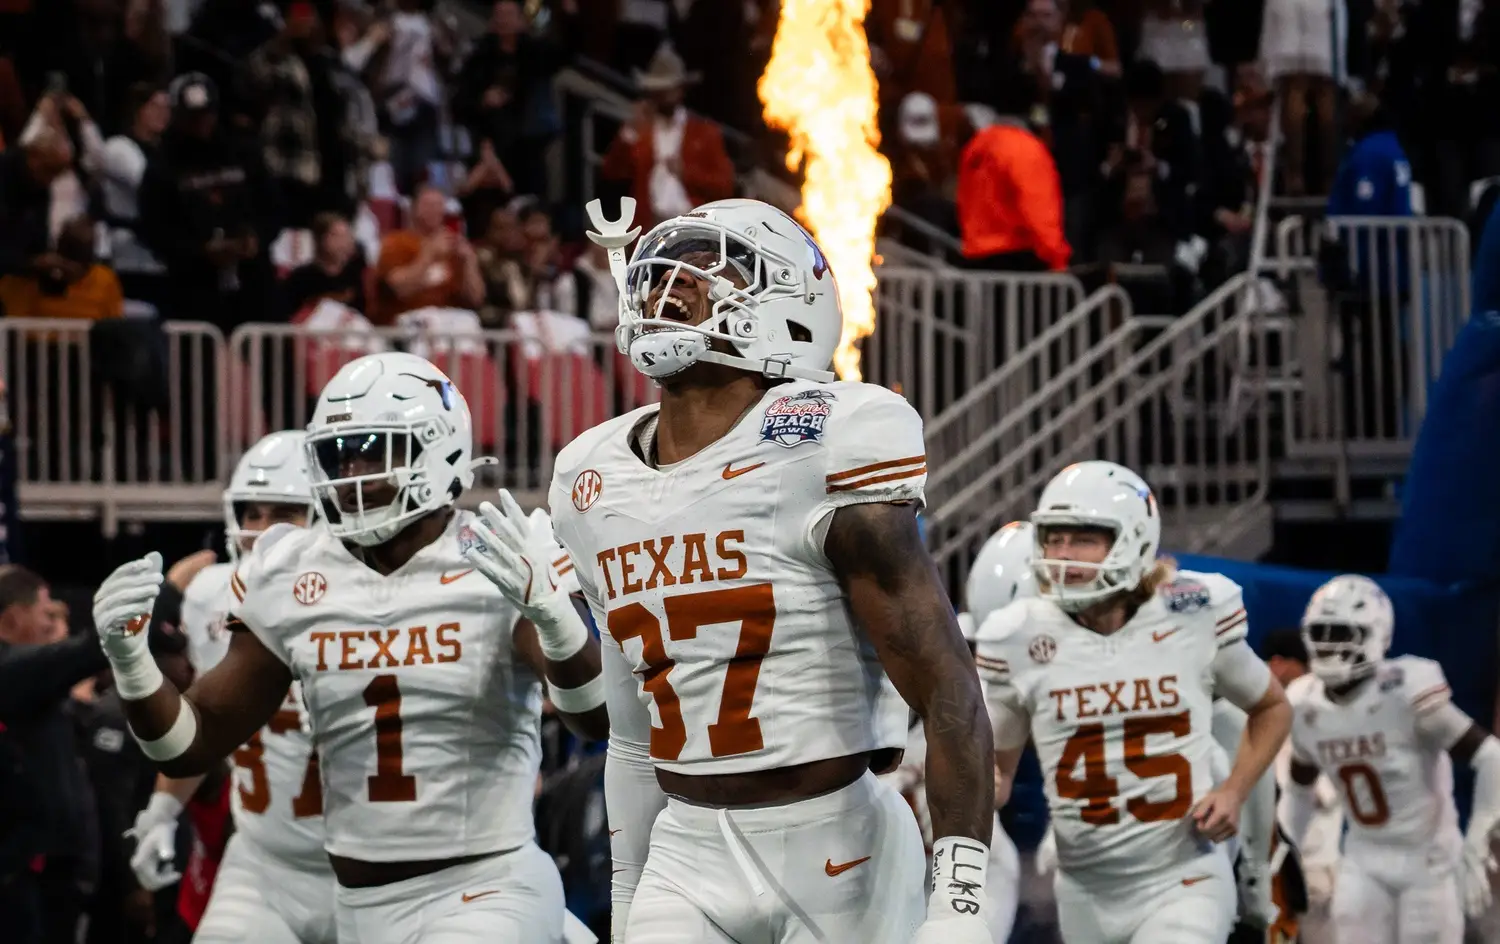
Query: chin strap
(769,367)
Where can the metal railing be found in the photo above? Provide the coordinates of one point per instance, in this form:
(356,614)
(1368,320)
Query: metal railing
(151,444)
(1364,354)
(1148,395)
(526,402)
(939,332)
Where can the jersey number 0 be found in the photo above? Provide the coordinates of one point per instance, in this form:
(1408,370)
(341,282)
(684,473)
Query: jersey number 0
(754,608)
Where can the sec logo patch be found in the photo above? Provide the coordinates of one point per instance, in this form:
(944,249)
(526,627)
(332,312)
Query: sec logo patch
(586,489)
(309,588)
(1042,649)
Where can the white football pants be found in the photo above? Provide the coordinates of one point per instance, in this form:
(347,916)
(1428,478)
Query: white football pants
(260,898)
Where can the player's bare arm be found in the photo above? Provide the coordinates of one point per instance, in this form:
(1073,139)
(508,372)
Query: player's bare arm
(893,591)
(1006,762)
(185,733)
(1268,721)
(572,673)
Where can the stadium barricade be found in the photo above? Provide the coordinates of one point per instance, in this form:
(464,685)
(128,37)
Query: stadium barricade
(1151,394)
(938,332)
(528,400)
(111,423)
(1380,301)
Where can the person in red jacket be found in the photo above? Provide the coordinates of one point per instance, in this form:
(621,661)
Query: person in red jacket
(1010,207)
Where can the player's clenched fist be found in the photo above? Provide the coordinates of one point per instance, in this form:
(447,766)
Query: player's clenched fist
(122,610)
(516,556)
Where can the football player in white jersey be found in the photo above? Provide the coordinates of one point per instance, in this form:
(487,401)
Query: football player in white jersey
(750,547)
(274,884)
(422,682)
(1111,671)
(1387,731)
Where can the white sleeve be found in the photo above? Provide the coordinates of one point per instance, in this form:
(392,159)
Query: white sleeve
(874,452)
(1240,678)
(1442,724)
(632,797)
(1010,722)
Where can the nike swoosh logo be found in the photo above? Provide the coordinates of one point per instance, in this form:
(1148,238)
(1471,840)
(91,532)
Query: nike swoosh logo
(732,473)
(1194,881)
(446,579)
(1159,636)
(613,831)
(469,898)
(840,869)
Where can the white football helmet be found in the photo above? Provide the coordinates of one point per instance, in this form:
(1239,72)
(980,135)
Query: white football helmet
(274,470)
(388,420)
(1096,494)
(785,321)
(1002,572)
(1347,629)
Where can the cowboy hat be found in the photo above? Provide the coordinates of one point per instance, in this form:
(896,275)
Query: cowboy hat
(666,71)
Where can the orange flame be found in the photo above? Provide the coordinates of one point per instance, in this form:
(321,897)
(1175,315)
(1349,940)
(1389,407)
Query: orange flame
(820,89)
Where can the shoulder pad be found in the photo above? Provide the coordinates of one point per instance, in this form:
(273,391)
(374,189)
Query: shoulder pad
(209,583)
(872,437)
(1213,594)
(1417,681)
(1302,689)
(1008,641)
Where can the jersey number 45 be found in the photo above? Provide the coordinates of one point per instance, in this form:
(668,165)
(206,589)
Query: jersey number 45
(1097,790)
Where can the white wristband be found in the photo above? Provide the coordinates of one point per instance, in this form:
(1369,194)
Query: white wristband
(178,738)
(577,701)
(959,868)
(560,631)
(139,679)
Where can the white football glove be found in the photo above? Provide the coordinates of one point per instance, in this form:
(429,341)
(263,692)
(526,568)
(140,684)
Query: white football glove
(516,556)
(155,833)
(505,549)
(1474,874)
(1254,886)
(122,611)
(1046,853)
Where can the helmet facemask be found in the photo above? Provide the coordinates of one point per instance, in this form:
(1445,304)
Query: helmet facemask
(372,480)
(1339,653)
(1119,571)
(664,326)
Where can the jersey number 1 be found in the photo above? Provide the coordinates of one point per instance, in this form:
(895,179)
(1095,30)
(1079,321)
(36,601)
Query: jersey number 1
(1098,789)
(754,608)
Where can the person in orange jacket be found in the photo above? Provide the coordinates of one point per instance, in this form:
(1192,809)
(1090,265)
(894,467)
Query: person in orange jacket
(1010,206)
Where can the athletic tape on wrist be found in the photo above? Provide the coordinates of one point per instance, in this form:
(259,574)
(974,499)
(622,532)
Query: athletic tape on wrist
(138,680)
(583,698)
(959,868)
(178,738)
(561,632)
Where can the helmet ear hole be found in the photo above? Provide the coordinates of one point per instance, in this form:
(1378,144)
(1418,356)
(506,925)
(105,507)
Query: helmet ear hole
(799,332)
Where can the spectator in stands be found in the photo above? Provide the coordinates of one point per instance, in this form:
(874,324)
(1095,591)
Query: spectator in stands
(674,161)
(427,265)
(640,28)
(598,293)
(76,285)
(1088,32)
(1297,46)
(1010,203)
(501,251)
(1067,111)
(1459,93)
(924,162)
(1138,235)
(410,89)
(63,113)
(142,275)
(50,813)
(910,52)
(336,272)
(26,175)
(280,83)
(1374,178)
(503,96)
(206,211)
